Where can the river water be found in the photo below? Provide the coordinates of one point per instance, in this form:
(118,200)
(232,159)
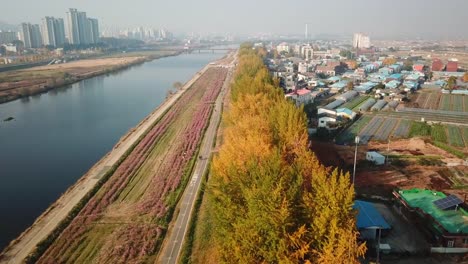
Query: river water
(56,137)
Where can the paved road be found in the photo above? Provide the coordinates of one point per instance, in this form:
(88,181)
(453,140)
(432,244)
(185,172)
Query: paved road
(25,244)
(174,241)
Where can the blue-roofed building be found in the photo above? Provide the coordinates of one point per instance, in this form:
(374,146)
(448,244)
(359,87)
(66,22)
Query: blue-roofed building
(346,112)
(386,71)
(369,220)
(395,67)
(377,78)
(334,79)
(396,76)
(411,85)
(338,87)
(370,68)
(393,84)
(365,88)
(413,77)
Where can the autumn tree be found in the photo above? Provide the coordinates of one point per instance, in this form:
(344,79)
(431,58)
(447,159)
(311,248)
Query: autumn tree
(389,61)
(271,199)
(465,77)
(451,82)
(350,86)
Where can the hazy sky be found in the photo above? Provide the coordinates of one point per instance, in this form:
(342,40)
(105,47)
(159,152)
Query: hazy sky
(394,18)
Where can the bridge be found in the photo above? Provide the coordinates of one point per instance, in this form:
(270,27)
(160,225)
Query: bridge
(199,50)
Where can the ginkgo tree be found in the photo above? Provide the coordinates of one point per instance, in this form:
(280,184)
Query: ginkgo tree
(271,199)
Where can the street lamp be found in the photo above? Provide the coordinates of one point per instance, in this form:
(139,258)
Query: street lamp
(356,140)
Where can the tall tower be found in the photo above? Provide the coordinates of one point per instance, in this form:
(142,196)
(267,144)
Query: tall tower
(306,32)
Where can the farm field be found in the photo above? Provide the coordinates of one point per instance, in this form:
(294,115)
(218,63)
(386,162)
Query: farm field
(381,128)
(349,134)
(435,100)
(126,219)
(455,136)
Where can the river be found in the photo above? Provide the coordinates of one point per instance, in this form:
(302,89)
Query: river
(56,137)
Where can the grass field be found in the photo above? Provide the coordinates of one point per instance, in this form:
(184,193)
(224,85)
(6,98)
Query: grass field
(125,221)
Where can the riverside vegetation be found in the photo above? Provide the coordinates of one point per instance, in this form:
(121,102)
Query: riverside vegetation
(269,200)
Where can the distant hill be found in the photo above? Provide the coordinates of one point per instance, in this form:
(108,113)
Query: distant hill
(6,26)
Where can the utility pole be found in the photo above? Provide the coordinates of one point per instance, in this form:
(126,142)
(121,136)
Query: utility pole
(388,151)
(378,246)
(356,140)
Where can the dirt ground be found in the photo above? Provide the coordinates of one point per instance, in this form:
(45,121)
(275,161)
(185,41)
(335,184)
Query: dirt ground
(413,164)
(73,66)
(20,83)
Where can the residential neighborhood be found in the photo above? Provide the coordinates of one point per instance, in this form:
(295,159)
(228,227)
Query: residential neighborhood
(401,119)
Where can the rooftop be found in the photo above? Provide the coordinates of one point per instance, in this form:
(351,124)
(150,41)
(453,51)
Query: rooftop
(453,221)
(368,216)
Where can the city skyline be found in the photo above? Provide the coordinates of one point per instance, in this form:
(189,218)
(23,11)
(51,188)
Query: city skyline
(243,18)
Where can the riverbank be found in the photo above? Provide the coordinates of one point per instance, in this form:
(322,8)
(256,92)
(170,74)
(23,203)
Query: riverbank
(23,83)
(49,220)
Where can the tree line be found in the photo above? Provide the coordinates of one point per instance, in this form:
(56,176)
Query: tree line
(271,199)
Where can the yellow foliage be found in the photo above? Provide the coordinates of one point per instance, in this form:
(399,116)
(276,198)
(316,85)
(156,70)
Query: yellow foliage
(272,200)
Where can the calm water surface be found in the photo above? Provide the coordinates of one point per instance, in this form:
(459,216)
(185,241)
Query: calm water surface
(56,137)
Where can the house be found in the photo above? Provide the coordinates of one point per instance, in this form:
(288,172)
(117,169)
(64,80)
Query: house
(325,120)
(332,68)
(301,96)
(346,113)
(452,65)
(369,220)
(334,79)
(338,87)
(444,218)
(395,76)
(410,85)
(437,65)
(375,157)
(386,71)
(396,68)
(393,84)
(418,67)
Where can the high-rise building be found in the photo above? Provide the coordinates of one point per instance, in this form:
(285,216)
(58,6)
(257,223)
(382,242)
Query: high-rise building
(72,26)
(36,37)
(25,34)
(81,29)
(7,37)
(53,31)
(94,30)
(31,35)
(361,40)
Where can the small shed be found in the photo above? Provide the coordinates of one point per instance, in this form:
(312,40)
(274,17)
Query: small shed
(375,157)
(369,220)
